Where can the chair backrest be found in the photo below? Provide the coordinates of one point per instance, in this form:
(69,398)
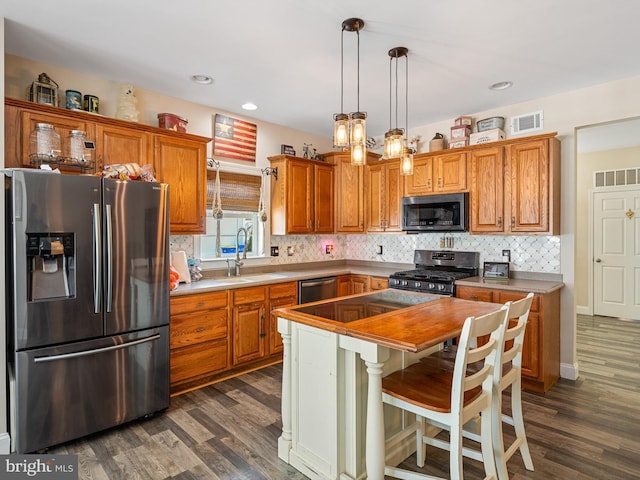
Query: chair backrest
(514,335)
(465,380)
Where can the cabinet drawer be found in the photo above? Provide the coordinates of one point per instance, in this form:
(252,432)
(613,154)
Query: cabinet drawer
(249,295)
(284,290)
(201,359)
(196,327)
(200,302)
(475,293)
(507,296)
(379,283)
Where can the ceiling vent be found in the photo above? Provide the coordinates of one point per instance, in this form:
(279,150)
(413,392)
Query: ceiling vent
(529,122)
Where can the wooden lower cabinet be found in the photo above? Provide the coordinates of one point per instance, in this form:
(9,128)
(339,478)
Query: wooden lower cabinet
(199,339)
(541,348)
(280,295)
(352,284)
(249,324)
(378,283)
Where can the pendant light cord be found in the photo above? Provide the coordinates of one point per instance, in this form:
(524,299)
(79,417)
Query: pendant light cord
(358,76)
(406,99)
(390,92)
(396,92)
(342,71)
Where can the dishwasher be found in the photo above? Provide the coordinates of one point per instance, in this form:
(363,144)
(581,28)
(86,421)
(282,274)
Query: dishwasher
(316,289)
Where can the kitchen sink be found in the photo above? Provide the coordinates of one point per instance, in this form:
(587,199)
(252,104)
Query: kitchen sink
(261,277)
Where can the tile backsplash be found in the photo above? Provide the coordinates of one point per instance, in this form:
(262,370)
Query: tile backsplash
(528,253)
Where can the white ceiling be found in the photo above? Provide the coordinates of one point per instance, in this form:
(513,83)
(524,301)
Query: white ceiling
(284,55)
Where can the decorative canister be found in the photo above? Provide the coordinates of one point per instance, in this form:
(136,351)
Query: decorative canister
(91,103)
(74,100)
(44,142)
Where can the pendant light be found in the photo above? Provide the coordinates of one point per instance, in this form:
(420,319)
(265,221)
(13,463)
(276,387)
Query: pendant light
(393,139)
(350,130)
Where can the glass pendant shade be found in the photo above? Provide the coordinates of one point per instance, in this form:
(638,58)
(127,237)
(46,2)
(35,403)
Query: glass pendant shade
(341,130)
(358,126)
(393,143)
(406,162)
(358,153)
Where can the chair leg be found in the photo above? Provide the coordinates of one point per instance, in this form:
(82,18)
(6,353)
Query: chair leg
(486,443)
(518,423)
(455,452)
(497,441)
(421,447)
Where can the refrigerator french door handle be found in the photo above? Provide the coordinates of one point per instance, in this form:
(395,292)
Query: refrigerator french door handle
(85,353)
(97,257)
(109,255)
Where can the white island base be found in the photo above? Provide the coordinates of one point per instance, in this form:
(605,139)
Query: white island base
(332,404)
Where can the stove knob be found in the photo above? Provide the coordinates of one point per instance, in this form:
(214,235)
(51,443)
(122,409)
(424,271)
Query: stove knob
(441,287)
(418,284)
(432,286)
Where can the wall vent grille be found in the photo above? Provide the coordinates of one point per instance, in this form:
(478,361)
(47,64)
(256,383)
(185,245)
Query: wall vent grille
(616,178)
(527,123)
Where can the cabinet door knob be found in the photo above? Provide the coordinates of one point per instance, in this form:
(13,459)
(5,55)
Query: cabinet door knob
(473,297)
(499,222)
(513,222)
(598,260)
(200,329)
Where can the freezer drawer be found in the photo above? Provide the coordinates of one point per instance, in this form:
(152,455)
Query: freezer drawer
(66,392)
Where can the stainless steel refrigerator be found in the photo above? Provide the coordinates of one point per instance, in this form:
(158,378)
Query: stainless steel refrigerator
(87,304)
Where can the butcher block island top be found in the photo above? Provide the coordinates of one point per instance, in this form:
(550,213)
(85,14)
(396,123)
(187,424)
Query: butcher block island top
(407,321)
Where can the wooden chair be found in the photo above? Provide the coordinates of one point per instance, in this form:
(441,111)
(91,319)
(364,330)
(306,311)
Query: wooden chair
(511,368)
(449,397)
(511,359)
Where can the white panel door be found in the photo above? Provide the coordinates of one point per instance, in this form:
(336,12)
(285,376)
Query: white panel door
(616,253)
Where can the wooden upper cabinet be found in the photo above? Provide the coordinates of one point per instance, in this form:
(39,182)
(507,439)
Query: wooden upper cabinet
(323,198)
(302,198)
(530,173)
(384,189)
(122,145)
(515,187)
(451,172)
(349,192)
(421,182)
(486,168)
(182,164)
(443,173)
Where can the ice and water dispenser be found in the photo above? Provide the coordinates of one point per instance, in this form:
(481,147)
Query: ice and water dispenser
(50,260)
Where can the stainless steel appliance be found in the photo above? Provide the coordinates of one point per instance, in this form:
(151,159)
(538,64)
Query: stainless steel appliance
(436,213)
(87,304)
(316,289)
(436,271)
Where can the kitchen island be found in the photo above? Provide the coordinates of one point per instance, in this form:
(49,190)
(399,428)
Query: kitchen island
(335,355)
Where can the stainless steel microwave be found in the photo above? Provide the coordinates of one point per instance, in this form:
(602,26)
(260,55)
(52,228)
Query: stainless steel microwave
(436,213)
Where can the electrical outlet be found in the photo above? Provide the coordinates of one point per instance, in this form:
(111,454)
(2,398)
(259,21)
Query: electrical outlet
(275,251)
(379,250)
(328,249)
(506,254)
(290,250)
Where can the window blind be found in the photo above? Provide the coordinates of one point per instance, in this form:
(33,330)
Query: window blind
(238,191)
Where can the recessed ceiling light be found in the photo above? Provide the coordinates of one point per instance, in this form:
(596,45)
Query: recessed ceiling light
(202,79)
(500,85)
(249,106)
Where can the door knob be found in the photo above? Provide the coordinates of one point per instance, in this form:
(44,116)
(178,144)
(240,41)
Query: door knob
(598,260)
(629,214)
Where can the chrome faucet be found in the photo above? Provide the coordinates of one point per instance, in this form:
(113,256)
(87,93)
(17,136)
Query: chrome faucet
(238,262)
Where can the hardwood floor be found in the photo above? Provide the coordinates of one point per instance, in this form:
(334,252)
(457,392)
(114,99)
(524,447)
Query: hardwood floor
(587,429)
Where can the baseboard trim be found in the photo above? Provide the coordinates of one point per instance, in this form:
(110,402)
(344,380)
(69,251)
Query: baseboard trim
(569,371)
(584,310)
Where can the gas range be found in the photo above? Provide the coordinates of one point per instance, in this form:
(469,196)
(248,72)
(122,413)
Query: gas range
(436,271)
